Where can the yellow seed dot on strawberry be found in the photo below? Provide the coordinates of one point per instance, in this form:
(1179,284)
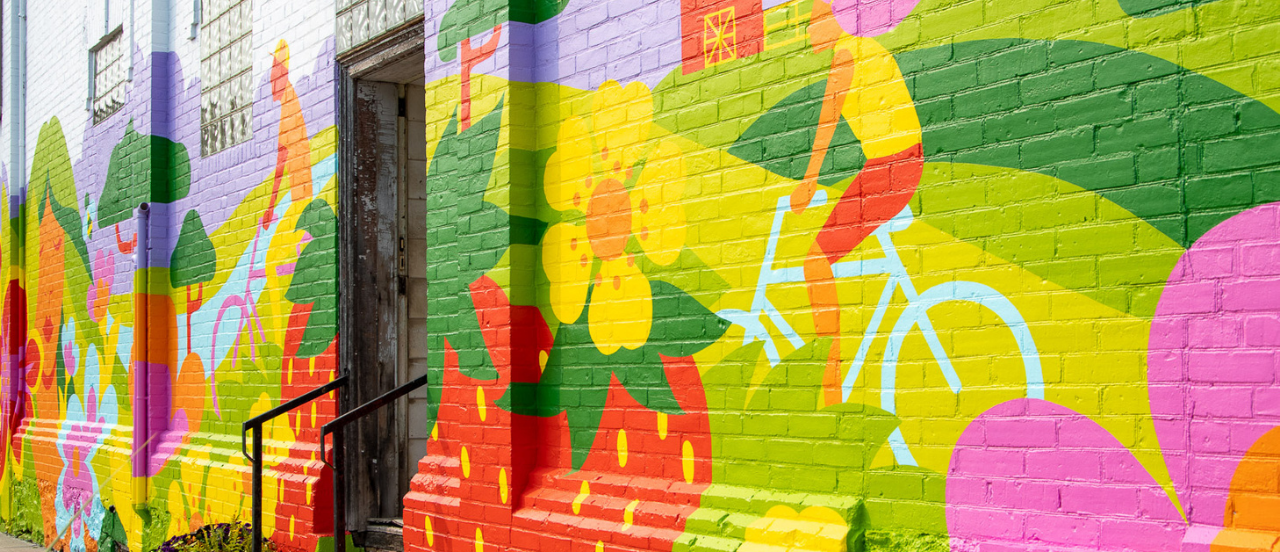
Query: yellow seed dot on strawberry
(479,540)
(480,403)
(599,546)
(662,426)
(502,485)
(431,534)
(466,463)
(687,461)
(622,448)
(629,515)
(583,492)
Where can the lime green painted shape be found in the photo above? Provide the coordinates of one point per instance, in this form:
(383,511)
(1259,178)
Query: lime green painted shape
(1173,36)
(1052,228)
(51,164)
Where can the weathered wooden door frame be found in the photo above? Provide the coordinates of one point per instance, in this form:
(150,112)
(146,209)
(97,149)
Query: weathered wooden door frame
(360,251)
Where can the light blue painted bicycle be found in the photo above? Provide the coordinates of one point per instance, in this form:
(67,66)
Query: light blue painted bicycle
(915,314)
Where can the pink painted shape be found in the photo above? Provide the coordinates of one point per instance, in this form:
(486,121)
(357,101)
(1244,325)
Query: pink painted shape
(1081,493)
(871,17)
(1213,371)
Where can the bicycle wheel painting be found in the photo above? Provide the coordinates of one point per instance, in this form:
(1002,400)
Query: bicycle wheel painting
(871,276)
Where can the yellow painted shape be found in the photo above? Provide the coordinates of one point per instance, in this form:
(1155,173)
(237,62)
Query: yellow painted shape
(479,540)
(543,357)
(435,431)
(481,405)
(599,546)
(816,528)
(466,463)
(662,426)
(583,492)
(629,514)
(324,143)
(431,534)
(686,461)
(877,106)
(622,448)
(621,313)
(503,491)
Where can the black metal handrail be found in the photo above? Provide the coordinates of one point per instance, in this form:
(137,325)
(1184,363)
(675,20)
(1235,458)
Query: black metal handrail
(256,424)
(334,427)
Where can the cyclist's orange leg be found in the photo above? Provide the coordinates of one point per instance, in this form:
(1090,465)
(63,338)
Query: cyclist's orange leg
(826,317)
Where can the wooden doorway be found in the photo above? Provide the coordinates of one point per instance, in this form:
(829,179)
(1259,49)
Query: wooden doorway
(383,257)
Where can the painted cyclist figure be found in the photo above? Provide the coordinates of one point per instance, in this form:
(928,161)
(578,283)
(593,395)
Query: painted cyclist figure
(866,87)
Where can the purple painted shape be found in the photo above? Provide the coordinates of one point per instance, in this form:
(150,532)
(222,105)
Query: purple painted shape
(1050,492)
(871,17)
(160,101)
(590,42)
(152,442)
(1213,372)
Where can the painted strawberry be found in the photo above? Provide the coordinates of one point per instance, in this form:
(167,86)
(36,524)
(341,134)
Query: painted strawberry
(509,466)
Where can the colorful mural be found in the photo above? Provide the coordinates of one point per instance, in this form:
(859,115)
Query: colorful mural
(860,275)
(722,275)
(140,338)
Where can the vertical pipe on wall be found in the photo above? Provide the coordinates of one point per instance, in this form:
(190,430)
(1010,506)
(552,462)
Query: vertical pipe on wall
(141,359)
(18,96)
(17,200)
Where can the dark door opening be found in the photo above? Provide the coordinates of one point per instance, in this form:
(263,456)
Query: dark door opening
(384,279)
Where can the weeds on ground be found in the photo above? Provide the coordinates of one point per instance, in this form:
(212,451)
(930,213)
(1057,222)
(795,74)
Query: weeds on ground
(235,536)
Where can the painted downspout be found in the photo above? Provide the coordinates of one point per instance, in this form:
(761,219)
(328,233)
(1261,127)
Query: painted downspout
(16,306)
(141,357)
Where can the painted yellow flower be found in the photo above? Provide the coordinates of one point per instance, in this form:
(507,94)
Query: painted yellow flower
(817,528)
(614,184)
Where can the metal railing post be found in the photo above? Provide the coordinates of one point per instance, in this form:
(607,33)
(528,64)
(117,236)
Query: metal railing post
(339,493)
(257,489)
(257,459)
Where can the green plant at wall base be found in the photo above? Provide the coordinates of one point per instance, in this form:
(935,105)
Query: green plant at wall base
(235,536)
(26,523)
(155,527)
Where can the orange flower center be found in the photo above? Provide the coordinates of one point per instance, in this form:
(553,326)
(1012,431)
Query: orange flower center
(609,219)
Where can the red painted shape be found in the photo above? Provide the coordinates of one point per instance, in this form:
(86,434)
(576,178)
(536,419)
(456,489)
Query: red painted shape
(459,494)
(471,58)
(717,31)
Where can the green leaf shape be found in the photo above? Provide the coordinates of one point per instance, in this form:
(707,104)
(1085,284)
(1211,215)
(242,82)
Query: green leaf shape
(681,325)
(315,277)
(466,237)
(1152,8)
(143,168)
(465,19)
(68,219)
(193,260)
(781,140)
(577,375)
(468,18)
(1174,147)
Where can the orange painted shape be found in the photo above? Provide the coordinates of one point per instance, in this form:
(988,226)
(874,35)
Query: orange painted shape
(1252,517)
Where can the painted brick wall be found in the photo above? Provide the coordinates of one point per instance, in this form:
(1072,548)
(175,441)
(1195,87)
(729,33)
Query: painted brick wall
(126,378)
(868,275)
